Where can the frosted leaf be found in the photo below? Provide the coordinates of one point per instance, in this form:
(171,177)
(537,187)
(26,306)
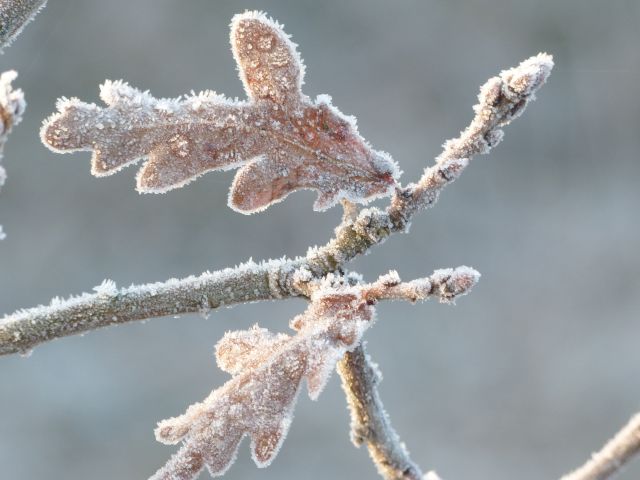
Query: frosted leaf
(270,67)
(282,140)
(107,288)
(244,349)
(268,371)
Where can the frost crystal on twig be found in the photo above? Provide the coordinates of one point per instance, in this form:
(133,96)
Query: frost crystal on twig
(281,140)
(258,401)
(268,370)
(605,463)
(12,107)
(14,15)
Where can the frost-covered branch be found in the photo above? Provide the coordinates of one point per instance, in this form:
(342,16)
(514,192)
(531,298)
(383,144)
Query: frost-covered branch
(282,142)
(23,330)
(370,423)
(14,15)
(501,99)
(279,138)
(616,453)
(268,369)
(12,107)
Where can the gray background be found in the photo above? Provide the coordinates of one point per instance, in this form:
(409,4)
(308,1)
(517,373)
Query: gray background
(522,379)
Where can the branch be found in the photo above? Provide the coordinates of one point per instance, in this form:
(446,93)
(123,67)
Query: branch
(618,451)
(249,282)
(268,369)
(14,15)
(502,98)
(370,423)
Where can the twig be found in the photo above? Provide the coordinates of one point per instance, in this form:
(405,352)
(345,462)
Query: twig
(12,107)
(617,452)
(14,15)
(502,98)
(370,423)
(22,331)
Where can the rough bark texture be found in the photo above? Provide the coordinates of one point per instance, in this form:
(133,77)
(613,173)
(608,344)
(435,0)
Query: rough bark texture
(370,424)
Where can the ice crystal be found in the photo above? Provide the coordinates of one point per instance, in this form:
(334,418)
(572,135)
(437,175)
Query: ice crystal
(281,140)
(267,371)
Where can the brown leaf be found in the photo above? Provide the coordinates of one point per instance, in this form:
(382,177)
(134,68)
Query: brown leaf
(282,140)
(268,371)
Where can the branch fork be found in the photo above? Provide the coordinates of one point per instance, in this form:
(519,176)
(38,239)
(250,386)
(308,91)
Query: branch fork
(281,141)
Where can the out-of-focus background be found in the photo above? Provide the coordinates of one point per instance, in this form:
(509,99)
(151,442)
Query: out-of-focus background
(522,379)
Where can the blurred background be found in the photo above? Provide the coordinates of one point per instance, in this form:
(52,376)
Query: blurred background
(522,379)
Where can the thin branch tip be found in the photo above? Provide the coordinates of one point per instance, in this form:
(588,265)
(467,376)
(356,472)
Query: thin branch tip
(617,452)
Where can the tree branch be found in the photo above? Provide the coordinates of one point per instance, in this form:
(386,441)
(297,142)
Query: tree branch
(14,15)
(617,452)
(249,282)
(501,99)
(370,423)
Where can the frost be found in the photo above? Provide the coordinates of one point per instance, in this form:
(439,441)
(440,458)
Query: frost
(452,283)
(14,15)
(280,140)
(12,107)
(106,289)
(431,476)
(267,371)
(268,368)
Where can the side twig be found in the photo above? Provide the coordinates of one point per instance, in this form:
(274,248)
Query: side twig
(249,282)
(370,423)
(502,99)
(616,453)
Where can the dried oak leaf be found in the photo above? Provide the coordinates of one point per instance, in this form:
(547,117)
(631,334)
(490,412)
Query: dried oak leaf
(267,370)
(281,140)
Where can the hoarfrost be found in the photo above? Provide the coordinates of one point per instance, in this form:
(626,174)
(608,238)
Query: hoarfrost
(280,139)
(14,16)
(12,107)
(267,371)
(107,288)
